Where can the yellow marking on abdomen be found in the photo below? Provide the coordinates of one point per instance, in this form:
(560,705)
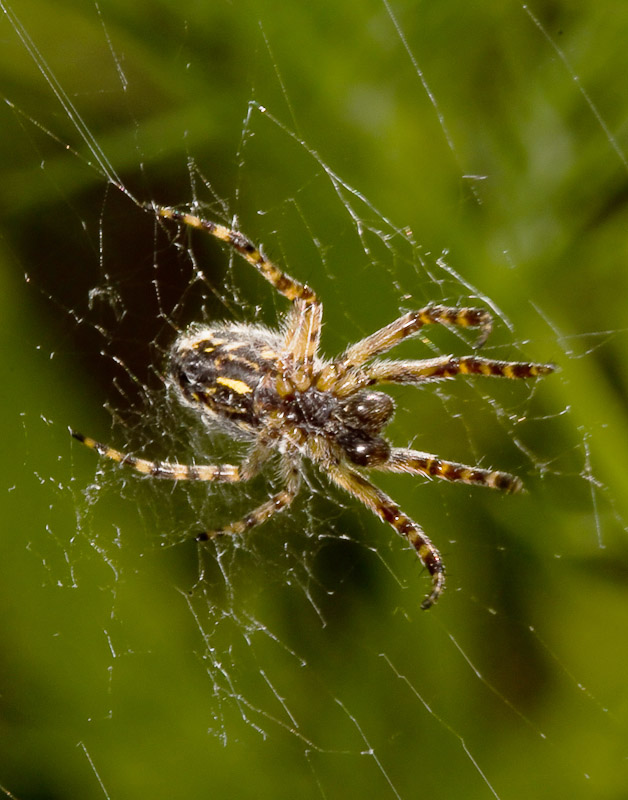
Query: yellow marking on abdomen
(239,387)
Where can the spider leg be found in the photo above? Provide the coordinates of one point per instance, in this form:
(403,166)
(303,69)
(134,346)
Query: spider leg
(259,515)
(450,366)
(417,463)
(283,283)
(223,473)
(220,473)
(301,342)
(303,329)
(385,508)
(403,327)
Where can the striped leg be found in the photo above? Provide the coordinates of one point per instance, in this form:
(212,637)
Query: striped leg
(223,473)
(450,366)
(301,342)
(304,324)
(385,508)
(261,514)
(418,463)
(219,473)
(283,283)
(391,335)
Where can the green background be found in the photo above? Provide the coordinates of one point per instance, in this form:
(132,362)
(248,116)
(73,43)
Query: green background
(308,668)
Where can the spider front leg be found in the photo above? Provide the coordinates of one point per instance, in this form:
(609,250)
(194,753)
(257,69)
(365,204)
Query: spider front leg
(415,462)
(385,508)
(391,335)
(259,515)
(450,366)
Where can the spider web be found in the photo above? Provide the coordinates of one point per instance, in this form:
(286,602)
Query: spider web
(390,160)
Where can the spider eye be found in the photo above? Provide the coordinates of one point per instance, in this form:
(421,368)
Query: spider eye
(368,411)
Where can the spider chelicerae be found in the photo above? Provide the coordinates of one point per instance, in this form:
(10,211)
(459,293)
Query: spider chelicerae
(273,389)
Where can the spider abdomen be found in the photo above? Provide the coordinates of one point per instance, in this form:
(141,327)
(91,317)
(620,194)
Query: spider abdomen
(219,370)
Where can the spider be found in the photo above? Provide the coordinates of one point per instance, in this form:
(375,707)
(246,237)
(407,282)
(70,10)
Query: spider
(273,389)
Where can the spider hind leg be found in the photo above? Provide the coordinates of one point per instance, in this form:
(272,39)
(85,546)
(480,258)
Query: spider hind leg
(278,502)
(220,473)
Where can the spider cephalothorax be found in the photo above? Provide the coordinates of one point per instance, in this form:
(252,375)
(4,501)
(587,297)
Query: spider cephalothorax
(273,389)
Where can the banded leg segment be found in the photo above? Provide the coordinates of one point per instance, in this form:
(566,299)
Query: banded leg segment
(264,512)
(304,326)
(415,462)
(450,366)
(220,473)
(301,342)
(385,508)
(283,283)
(394,333)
